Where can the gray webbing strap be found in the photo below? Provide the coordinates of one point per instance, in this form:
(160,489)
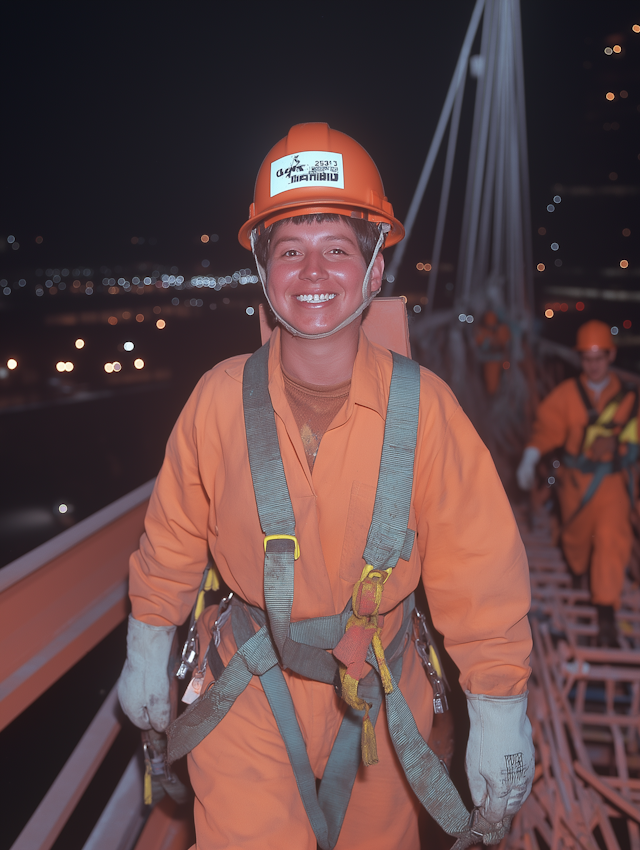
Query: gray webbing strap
(276,517)
(253,658)
(425,772)
(271,492)
(256,654)
(388,529)
(269,482)
(326,806)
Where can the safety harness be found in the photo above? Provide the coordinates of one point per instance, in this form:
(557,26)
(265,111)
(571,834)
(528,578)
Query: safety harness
(604,425)
(269,642)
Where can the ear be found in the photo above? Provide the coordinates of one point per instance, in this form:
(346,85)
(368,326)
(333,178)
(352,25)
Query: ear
(612,355)
(375,281)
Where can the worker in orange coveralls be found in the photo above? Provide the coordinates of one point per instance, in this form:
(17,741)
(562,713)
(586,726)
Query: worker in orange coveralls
(492,339)
(594,418)
(285,466)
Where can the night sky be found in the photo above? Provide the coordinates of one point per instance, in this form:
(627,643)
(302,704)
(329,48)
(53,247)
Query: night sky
(152,120)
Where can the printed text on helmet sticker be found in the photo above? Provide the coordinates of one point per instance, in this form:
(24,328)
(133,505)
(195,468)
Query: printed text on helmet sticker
(301,170)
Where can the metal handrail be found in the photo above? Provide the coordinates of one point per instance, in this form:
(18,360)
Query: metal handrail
(60,600)
(56,603)
(30,562)
(54,810)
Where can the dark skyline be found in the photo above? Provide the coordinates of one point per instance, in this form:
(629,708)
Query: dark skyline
(152,123)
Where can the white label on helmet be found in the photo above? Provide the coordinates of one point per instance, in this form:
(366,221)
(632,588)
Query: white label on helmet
(307,168)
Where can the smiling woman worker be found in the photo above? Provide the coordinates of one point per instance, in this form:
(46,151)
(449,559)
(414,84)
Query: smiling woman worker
(328,476)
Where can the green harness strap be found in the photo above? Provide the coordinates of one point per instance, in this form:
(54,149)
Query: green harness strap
(302,646)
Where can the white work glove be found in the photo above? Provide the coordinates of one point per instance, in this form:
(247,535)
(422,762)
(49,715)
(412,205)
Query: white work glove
(500,758)
(143,687)
(526,473)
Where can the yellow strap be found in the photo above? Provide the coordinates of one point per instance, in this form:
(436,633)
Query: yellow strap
(433,658)
(368,743)
(199,604)
(148,793)
(630,432)
(602,426)
(350,690)
(382,663)
(212,582)
(296,552)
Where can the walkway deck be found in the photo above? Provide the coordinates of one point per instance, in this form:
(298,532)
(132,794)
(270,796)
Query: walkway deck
(585,712)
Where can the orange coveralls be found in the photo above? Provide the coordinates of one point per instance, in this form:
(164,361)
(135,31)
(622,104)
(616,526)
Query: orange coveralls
(468,552)
(492,340)
(601,532)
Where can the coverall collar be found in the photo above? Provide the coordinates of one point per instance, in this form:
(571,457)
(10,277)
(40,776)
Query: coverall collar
(369,388)
(610,391)
(366,389)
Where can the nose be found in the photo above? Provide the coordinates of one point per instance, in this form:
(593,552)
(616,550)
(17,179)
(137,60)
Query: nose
(313,268)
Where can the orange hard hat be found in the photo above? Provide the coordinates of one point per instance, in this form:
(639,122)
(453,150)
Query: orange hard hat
(594,335)
(490,319)
(315,169)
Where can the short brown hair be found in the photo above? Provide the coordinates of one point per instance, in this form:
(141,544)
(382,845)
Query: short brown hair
(366,232)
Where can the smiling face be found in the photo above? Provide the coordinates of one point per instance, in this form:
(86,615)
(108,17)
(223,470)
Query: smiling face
(315,272)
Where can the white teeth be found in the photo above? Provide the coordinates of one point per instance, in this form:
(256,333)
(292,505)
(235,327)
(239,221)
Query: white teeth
(325,296)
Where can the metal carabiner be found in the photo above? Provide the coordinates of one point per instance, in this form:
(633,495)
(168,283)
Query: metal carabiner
(190,653)
(424,647)
(224,612)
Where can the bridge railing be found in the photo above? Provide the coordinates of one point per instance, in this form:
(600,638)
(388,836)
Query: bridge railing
(57,603)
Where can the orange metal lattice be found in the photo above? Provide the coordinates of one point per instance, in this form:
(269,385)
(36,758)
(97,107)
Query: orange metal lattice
(585,713)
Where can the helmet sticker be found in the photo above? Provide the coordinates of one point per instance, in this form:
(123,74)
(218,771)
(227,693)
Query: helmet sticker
(300,170)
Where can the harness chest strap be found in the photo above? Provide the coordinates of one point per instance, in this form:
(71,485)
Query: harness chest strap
(274,646)
(604,424)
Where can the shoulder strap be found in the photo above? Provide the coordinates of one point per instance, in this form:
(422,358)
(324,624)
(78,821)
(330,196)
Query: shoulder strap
(388,530)
(276,519)
(592,413)
(388,538)
(630,387)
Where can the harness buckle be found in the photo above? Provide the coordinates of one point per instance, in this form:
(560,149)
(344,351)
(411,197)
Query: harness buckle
(370,571)
(296,551)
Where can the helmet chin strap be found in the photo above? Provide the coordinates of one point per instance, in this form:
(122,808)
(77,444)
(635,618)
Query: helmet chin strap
(367,297)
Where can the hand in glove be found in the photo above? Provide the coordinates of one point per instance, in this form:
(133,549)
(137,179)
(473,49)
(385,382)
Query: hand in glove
(500,758)
(526,473)
(143,687)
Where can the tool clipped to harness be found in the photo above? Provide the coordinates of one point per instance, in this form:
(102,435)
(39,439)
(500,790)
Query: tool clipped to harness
(194,688)
(428,655)
(191,649)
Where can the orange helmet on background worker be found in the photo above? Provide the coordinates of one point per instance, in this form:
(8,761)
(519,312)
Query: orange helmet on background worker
(316,170)
(594,336)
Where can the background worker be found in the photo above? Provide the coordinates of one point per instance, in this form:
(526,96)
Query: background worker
(593,417)
(492,340)
(317,225)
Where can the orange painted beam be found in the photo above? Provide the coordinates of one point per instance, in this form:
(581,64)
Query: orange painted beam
(55,614)
(612,796)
